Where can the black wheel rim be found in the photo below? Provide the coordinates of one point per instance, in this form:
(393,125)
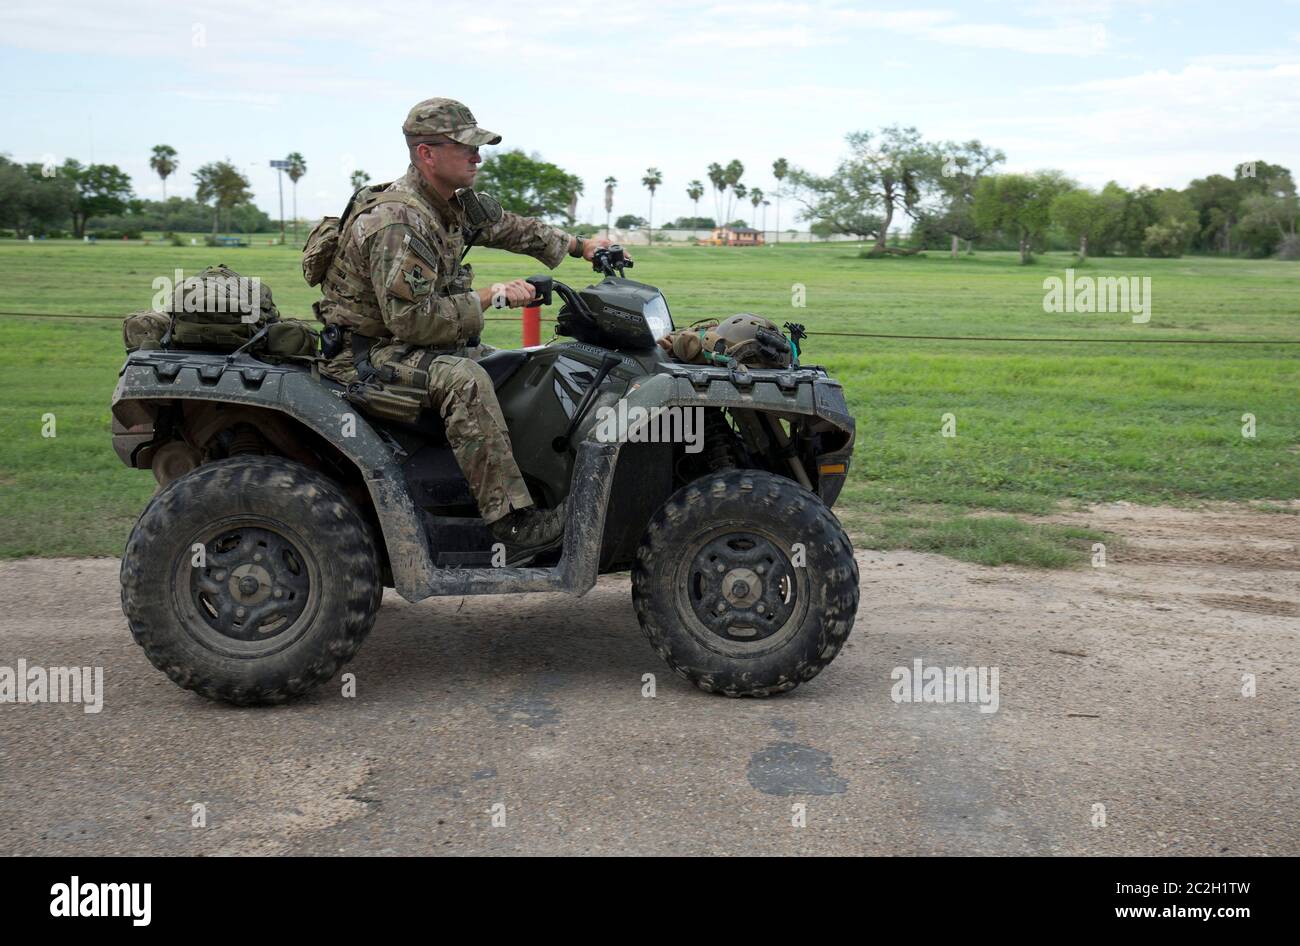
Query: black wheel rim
(247,587)
(739,592)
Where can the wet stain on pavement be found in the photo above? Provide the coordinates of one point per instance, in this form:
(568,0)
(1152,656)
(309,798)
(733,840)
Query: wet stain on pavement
(788,768)
(531,710)
(531,706)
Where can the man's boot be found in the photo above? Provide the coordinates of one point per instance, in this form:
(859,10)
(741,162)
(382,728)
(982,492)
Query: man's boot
(528,532)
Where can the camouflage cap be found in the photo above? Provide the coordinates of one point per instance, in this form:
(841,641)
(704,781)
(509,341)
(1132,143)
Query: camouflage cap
(434,117)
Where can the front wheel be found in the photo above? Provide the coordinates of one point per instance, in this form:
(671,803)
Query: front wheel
(745,583)
(250,580)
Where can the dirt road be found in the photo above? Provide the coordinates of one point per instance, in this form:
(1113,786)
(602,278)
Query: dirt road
(1119,697)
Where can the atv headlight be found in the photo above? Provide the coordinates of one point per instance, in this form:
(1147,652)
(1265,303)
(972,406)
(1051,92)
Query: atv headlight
(657,317)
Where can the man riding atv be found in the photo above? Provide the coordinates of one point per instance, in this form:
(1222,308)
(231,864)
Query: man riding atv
(400,299)
(295,486)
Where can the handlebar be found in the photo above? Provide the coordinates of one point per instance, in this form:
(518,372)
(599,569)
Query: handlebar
(608,259)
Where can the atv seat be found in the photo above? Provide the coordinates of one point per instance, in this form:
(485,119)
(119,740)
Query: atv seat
(501,365)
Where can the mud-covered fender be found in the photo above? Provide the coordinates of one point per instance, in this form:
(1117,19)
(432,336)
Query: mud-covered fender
(155,375)
(808,391)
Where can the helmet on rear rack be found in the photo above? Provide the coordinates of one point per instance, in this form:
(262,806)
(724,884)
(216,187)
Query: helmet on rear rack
(750,339)
(745,339)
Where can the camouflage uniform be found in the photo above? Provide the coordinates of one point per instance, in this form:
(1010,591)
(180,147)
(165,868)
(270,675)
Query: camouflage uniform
(398,278)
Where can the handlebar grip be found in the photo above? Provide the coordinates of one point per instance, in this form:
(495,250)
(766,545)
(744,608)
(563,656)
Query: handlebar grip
(544,286)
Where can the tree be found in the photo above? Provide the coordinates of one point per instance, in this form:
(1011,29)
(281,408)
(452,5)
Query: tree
(296,169)
(883,174)
(249,218)
(528,186)
(731,175)
(1268,223)
(163,161)
(1215,199)
(695,190)
(1165,239)
(610,183)
(1266,195)
(31,201)
(220,184)
(780,168)
(718,179)
(755,199)
(961,168)
(1218,202)
(101,189)
(650,181)
(693,223)
(1115,199)
(1081,214)
(629,222)
(359,180)
(1019,204)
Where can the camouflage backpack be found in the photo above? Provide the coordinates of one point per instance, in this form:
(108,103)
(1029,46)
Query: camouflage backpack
(218,310)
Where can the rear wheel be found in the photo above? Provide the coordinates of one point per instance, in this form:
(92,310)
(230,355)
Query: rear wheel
(250,580)
(745,583)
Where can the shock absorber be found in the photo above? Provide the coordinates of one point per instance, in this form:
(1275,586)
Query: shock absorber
(245,439)
(719,442)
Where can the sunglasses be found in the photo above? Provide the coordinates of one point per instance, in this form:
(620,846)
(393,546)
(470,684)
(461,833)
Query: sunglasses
(466,149)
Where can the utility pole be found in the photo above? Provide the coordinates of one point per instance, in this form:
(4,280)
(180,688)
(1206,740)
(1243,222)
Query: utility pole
(279,181)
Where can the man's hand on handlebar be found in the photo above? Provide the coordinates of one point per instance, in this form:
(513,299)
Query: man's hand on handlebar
(502,295)
(592,244)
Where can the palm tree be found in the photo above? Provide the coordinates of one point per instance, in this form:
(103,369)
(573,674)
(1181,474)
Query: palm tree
(610,184)
(738,192)
(718,178)
(296,169)
(755,198)
(359,180)
(695,190)
(780,168)
(221,183)
(651,180)
(164,162)
(731,174)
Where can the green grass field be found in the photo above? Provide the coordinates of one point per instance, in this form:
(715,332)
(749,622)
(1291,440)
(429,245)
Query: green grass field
(1037,423)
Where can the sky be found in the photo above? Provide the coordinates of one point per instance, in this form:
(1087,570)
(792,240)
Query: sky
(1152,92)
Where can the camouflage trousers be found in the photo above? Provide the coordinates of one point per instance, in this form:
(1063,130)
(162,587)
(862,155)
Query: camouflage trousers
(462,394)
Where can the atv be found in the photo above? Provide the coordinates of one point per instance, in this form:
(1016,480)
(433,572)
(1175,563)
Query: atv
(283,511)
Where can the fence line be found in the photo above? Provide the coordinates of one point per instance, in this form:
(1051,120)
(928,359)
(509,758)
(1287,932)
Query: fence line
(815,334)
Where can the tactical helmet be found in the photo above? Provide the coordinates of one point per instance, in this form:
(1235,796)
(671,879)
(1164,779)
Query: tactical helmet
(750,339)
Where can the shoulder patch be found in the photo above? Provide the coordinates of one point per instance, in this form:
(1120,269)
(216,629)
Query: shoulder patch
(421,249)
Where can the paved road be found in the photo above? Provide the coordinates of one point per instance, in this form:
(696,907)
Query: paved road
(535,703)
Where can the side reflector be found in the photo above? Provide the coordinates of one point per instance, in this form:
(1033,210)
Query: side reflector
(831,468)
